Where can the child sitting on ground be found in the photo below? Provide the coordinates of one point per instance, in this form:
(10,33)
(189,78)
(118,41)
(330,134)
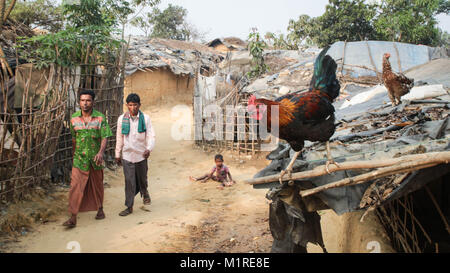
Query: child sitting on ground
(222,174)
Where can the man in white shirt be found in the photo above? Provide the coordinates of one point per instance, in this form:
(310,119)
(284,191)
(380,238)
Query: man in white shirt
(135,142)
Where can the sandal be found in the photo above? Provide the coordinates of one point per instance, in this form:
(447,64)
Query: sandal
(69,224)
(100,216)
(126,212)
(147,200)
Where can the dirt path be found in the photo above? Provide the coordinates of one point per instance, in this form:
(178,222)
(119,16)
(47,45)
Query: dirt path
(180,212)
(186,216)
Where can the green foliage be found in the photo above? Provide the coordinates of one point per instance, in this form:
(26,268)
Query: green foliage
(343,20)
(143,23)
(88,36)
(38,13)
(70,47)
(96,12)
(280,41)
(105,12)
(87,39)
(409,21)
(443,38)
(346,20)
(303,30)
(443,7)
(256,46)
(168,23)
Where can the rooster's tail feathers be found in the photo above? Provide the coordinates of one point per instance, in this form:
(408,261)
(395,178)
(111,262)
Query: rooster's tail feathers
(324,78)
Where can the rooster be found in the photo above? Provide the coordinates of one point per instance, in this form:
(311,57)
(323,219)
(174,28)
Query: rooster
(304,115)
(396,84)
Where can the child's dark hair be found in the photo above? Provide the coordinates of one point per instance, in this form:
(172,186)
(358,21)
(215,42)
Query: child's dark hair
(218,157)
(134,98)
(88,92)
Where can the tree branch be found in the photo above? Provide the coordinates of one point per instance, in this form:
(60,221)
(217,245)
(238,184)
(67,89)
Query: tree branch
(8,11)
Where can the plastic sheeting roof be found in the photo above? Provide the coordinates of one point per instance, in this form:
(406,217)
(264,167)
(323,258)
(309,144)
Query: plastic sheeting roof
(357,55)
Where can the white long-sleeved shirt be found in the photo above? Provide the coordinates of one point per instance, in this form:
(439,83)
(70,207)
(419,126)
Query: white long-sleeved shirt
(133,145)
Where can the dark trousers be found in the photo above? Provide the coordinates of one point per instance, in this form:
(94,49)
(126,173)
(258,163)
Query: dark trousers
(135,180)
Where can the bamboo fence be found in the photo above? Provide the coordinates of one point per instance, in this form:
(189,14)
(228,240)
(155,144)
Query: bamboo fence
(239,133)
(412,222)
(35,142)
(29,136)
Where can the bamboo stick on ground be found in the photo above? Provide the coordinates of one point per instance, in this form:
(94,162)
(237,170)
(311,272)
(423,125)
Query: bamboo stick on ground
(321,170)
(400,168)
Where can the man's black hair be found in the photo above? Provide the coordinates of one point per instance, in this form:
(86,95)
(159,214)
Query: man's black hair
(88,92)
(219,156)
(133,98)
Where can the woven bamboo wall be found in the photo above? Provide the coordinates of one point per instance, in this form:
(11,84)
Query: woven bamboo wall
(35,142)
(29,135)
(239,133)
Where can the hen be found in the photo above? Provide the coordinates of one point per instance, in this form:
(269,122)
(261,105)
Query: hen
(397,85)
(304,115)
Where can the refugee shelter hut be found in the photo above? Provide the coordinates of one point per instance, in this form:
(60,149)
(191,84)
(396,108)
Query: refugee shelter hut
(237,131)
(394,162)
(359,67)
(163,71)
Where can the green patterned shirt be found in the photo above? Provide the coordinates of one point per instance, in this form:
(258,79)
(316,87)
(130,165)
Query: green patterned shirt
(88,139)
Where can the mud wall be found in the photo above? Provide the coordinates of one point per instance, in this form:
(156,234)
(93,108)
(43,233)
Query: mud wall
(160,87)
(346,234)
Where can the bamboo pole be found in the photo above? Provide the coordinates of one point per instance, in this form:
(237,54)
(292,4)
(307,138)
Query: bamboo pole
(400,168)
(352,165)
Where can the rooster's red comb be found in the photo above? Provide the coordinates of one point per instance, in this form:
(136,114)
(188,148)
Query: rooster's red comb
(252,100)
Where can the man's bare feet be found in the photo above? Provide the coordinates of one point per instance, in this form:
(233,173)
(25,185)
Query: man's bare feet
(221,187)
(100,214)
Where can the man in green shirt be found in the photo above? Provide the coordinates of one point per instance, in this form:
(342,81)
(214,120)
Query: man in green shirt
(90,131)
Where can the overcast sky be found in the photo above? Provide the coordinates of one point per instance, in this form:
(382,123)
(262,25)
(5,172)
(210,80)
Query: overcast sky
(224,18)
